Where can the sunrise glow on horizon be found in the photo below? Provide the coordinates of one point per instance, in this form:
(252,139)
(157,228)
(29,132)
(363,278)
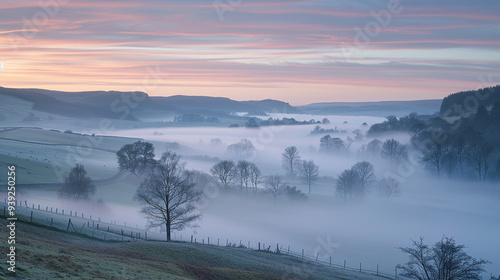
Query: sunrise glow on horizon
(298,51)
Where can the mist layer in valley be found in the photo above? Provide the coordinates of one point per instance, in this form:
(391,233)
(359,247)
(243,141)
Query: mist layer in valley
(366,230)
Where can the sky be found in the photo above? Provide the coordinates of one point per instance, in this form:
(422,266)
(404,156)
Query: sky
(298,51)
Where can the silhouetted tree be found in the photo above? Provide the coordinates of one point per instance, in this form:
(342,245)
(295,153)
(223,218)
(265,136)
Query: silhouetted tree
(478,158)
(331,145)
(394,151)
(433,156)
(78,185)
(309,172)
(444,261)
(255,177)
(137,157)
(168,195)
(347,182)
(242,149)
(243,174)
(289,160)
(224,173)
(366,177)
(274,185)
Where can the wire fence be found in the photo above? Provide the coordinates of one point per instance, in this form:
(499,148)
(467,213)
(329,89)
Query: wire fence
(94,227)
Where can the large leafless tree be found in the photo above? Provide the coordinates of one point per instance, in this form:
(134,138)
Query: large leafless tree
(169,195)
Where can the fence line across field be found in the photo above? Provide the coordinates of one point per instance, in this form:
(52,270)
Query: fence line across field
(111,231)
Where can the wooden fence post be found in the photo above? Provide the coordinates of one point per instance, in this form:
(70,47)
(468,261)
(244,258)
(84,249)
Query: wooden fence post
(62,210)
(317,255)
(259,246)
(33,205)
(98,226)
(31,217)
(51,208)
(191,239)
(69,222)
(4,211)
(51,221)
(56,210)
(208,240)
(217,241)
(71,213)
(302,253)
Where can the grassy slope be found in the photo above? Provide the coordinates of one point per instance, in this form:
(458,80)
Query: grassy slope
(47,254)
(39,153)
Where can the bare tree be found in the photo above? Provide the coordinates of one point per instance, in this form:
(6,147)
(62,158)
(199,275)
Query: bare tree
(274,185)
(243,174)
(433,156)
(242,149)
(224,173)
(347,182)
(168,195)
(478,158)
(388,187)
(309,172)
(394,151)
(137,157)
(444,261)
(366,176)
(255,177)
(289,160)
(78,185)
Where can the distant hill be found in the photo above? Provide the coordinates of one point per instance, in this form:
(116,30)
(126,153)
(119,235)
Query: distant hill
(462,102)
(76,105)
(113,104)
(376,109)
(138,105)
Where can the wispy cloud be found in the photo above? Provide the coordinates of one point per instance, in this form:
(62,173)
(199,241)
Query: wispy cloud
(310,49)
